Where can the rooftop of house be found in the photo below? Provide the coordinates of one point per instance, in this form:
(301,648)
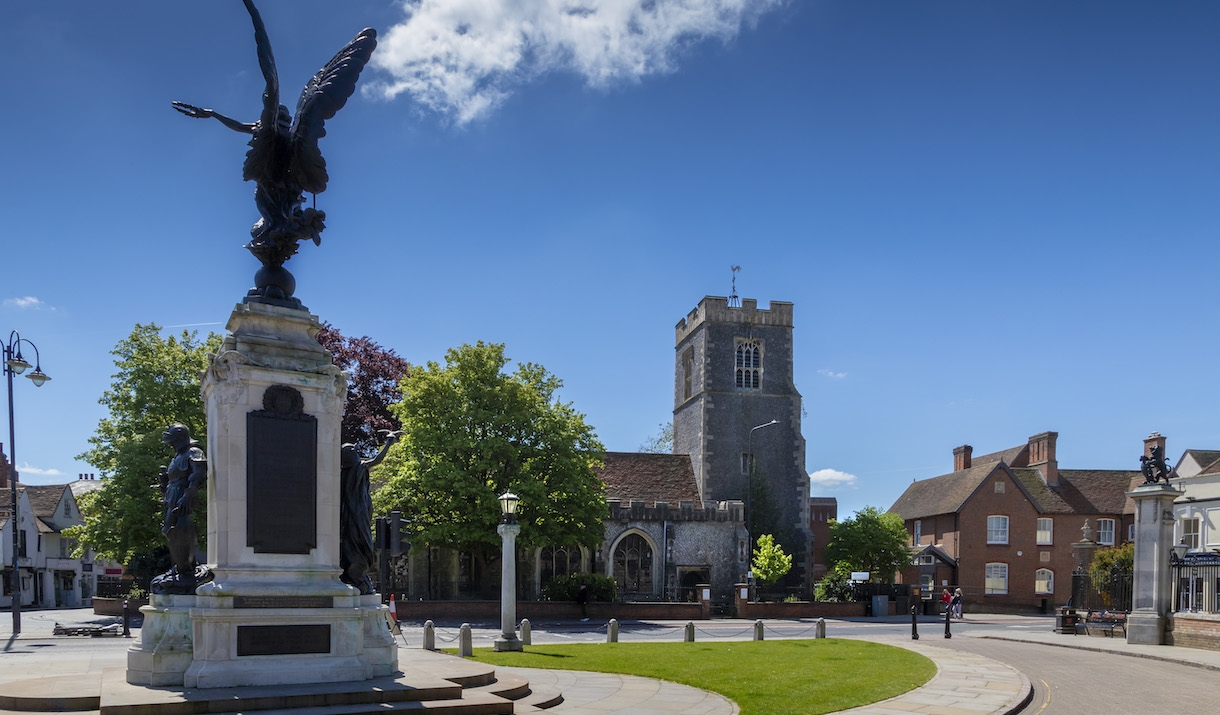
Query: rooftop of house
(1077,491)
(649,477)
(44,498)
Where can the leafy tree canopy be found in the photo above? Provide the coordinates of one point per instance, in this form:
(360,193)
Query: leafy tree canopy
(157,384)
(373,376)
(1112,560)
(471,431)
(871,540)
(770,562)
(662,442)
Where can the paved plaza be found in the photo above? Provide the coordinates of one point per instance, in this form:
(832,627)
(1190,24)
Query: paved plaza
(965,682)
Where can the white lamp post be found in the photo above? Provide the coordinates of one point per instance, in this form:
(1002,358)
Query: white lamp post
(508,531)
(15,364)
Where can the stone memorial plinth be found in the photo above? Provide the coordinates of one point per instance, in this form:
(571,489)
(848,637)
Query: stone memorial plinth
(276,612)
(164,650)
(1152,591)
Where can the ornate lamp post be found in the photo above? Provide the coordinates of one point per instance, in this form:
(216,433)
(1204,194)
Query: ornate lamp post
(508,531)
(15,364)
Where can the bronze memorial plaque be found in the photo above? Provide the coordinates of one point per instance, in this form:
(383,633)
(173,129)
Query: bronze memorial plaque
(283,640)
(283,602)
(281,474)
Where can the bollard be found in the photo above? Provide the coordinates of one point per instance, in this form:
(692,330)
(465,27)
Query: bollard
(126,619)
(914,628)
(612,631)
(465,647)
(948,615)
(820,629)
(429,635)
(758,630)
(688,634)
(525,632)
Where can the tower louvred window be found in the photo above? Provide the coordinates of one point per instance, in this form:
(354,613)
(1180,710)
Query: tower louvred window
(748,374)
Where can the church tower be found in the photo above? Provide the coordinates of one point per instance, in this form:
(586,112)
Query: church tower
(733,374)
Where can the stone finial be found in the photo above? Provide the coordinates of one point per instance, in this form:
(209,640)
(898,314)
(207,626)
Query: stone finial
(1086,531)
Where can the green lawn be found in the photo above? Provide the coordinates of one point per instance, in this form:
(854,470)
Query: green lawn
(802,677)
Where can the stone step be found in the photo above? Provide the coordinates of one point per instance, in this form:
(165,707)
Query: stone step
(523,694)
(64,693)
(539,699)
(121,698)
(471,703)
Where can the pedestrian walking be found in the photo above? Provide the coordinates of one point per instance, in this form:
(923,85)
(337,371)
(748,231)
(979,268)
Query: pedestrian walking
(945,599)
(956,604)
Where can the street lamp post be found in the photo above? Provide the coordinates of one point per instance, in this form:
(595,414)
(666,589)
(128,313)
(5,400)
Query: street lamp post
(15,364)
(750,485)
(508,531)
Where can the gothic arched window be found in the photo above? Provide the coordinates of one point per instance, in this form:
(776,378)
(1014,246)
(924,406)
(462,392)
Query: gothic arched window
(633,564)
(559,561)
(748,374)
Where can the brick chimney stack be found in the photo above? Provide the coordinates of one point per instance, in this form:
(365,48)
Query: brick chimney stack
(1042,456)
(3,468)
(961,457)
(1154,440)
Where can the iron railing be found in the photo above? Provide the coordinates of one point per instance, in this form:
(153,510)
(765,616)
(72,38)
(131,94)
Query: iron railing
(1109,593)
(1196,583)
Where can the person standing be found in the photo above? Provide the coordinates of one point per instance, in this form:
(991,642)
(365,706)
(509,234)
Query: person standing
(956,604)
(945,599)
(582,597)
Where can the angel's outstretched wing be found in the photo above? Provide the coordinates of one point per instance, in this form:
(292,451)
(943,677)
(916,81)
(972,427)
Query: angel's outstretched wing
(261,144)
(321,99)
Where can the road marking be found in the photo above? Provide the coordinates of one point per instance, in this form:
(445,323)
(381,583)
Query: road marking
(1047,702)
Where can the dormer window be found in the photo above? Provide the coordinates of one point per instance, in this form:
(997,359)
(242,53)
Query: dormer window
(748,375)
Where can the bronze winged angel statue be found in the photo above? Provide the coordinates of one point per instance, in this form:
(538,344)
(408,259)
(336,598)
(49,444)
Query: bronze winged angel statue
(284,161)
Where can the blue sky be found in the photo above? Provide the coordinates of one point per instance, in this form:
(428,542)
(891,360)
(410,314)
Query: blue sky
(994,219)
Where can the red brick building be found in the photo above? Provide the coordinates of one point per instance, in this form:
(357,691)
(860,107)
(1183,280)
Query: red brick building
(1001,526)
(822,511)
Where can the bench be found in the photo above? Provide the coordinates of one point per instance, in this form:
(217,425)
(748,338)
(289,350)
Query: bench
(1104,621)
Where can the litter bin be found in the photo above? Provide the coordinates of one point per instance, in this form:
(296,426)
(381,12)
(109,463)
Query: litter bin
(1065,620)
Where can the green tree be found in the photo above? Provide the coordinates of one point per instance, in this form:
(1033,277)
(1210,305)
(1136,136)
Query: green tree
(770,562)
(157,384)
(871,540)
(471,431)
(835,584)
(662,441)
(1111,560)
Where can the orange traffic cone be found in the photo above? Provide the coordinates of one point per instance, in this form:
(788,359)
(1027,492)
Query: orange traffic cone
(393,609)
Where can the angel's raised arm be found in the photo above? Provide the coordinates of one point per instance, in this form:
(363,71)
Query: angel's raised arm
(194,112)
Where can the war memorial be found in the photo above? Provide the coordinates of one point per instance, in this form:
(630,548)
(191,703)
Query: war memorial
(281,612)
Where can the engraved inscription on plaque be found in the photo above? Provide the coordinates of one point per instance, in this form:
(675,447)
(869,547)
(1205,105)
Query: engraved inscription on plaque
(283,602)
(283,640)
(281,474)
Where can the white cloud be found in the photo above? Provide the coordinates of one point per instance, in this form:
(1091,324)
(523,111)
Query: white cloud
(825,480)
(26,302)
(27,469)
(832,374)
(463,57)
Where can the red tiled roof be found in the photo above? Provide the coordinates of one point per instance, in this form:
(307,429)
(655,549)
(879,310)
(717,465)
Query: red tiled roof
(650,478)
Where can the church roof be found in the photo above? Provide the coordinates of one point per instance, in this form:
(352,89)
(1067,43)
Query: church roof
(650,478)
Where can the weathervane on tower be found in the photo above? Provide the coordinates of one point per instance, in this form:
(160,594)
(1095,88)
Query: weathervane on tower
(734,301)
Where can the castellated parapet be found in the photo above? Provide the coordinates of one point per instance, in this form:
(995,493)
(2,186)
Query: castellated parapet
(716,309)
